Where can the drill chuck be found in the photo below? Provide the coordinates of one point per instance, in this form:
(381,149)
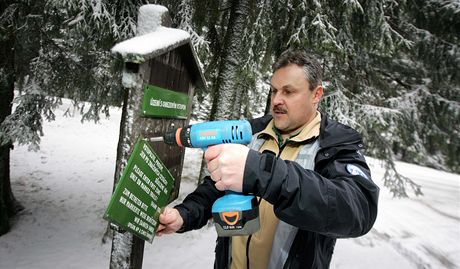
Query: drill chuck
(179,137)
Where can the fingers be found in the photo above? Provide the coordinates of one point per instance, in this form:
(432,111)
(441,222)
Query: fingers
(160,230)
(170,221)
(213,165)
(226,164)
(212,152)
(220,186)
(213,168)
(211,156)
(167,216)
(164,220)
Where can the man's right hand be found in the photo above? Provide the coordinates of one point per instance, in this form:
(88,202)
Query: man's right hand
(170,221)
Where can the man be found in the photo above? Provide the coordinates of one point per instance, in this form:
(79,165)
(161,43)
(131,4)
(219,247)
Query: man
(314,184)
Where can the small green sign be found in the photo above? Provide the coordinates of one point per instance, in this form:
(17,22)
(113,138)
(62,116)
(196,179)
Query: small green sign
(159,102)
(141,193)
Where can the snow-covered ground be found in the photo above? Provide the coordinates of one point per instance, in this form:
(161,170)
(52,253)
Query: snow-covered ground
(66,185)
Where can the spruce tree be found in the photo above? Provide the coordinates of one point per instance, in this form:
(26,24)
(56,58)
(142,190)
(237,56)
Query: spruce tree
(390,69)
(50,50)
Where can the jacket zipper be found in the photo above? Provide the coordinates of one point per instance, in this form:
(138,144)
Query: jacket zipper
(250,236)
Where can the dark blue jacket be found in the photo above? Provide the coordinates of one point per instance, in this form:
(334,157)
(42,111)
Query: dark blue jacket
(328,203)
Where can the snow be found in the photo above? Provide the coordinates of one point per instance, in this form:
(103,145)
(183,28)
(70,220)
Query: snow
(149,18)
(153,39)
(129,80)
(66,186)
(152,44)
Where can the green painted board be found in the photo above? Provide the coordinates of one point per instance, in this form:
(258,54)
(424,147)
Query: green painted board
(163,103)
(141,193)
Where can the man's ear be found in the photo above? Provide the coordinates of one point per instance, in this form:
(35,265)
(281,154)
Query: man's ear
(318,93)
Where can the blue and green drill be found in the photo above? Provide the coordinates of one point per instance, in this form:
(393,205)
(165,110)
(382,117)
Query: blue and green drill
(234,213)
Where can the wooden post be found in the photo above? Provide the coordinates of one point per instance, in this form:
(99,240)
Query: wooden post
(172,66)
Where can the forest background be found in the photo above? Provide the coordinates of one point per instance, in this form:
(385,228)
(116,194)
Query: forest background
(390,68)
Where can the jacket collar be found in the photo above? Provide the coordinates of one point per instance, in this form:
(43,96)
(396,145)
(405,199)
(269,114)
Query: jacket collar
(331,134)
(334,133)
(309,131)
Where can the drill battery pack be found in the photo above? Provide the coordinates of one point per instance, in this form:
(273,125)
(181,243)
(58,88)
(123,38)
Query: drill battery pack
(236,214)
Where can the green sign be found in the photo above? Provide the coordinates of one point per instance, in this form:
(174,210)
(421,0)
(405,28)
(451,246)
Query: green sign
(159,102)
(141,193)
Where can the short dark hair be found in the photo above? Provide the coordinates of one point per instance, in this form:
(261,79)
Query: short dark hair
(310,65)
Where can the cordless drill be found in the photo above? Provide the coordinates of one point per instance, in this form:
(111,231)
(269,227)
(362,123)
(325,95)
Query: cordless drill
(234,213)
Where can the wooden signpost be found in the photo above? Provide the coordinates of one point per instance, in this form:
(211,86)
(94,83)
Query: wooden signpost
(160,74)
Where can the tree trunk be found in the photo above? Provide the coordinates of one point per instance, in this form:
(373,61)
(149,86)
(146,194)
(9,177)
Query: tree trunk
(127,250)
(4,176)
(225,88)
(224,91)
(8,205)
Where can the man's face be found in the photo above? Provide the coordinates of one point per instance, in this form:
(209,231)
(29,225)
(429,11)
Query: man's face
(292,103)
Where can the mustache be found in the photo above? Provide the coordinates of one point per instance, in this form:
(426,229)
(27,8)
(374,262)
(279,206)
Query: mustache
(278,109)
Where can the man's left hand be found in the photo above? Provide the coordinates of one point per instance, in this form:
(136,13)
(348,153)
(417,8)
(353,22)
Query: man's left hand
(226,164)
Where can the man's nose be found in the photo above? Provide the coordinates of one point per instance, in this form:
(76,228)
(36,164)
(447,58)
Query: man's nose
(276,99)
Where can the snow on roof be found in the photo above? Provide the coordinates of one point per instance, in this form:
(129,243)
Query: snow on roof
(152,38)
(140,48)
(150,18)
